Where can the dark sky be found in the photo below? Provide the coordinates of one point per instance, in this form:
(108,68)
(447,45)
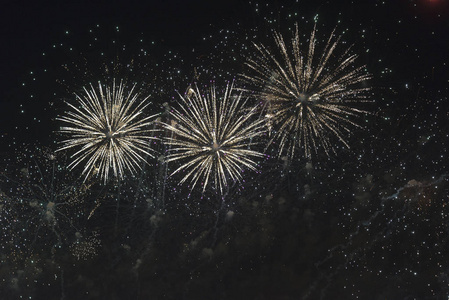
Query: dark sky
(29,28)
(407,38)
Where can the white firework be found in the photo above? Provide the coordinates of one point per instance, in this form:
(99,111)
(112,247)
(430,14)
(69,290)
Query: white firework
(108,128)
(212,136)
(309,96)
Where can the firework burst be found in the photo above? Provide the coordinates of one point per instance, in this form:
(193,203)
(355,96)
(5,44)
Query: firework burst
(309,96)
(109,131)
(42,203)
(211,137)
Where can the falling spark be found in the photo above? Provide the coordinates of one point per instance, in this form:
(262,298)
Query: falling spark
(309,96)
(107,128)
(211,137)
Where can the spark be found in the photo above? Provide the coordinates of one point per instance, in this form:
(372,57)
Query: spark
(308,96)
(211,137)
(108,130)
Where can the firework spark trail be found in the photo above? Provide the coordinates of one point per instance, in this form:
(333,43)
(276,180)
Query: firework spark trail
(367,222)
(163,169)
(108,131)
(360,225)
(212,137)
(308,97)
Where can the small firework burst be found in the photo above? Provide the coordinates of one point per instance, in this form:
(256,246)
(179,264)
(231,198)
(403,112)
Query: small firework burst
(85,247)
(41,202)
(309,96)
(108,130)
(211,137)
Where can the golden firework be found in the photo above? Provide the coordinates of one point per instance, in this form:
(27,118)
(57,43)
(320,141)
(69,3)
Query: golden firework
(309,95)
(109,131)
(212,136)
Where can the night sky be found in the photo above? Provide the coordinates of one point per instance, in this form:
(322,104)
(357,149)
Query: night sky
(366,222)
